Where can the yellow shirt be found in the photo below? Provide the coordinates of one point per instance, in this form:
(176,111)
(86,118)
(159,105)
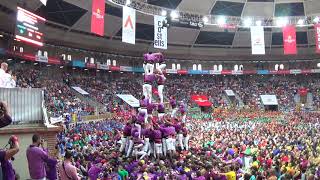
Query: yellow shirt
(231,175)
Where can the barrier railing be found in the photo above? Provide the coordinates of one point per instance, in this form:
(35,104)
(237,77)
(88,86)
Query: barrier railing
(25,105)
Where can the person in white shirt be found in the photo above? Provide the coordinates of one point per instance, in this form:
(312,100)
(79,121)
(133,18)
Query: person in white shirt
(6,81)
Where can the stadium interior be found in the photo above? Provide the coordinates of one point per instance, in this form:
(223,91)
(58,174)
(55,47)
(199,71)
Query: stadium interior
(160,89)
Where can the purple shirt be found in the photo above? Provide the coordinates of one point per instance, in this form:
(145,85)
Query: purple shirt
(157,134)
(173,103)
(127,130)
(161,108)
(7,170)
(161,79)
(37,158)
(144,102)
(149,78)
(150,108)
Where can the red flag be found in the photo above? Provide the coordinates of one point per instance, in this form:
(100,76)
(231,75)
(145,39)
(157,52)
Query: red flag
(289,40)
(317,31)
(97,18)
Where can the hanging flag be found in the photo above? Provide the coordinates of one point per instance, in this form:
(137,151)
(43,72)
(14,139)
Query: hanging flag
(317,32)
(257,40)
(97,18)
(44,2)
(129,25)
(160,33)
(289,40)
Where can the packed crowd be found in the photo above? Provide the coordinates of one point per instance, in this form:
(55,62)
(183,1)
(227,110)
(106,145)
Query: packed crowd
(254,146)
(103,87)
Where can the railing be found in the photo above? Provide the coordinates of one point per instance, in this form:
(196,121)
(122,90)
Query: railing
(25,105)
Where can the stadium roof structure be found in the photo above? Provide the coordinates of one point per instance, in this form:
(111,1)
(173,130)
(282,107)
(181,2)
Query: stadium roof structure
(69,21)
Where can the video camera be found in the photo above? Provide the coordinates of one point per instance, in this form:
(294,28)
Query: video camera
(12,141)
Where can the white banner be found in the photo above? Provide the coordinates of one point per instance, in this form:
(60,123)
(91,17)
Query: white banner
(80,90)
(257,40)
(41,58)
(160,33)
(129,25)
(54,120)
(269,100)
(129,99)
(229,92)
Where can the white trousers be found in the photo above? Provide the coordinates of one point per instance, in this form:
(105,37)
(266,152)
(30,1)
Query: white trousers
(145,112)
(147,91)
(186,142)
(129,148)
(161,67)
(160,92)
(148,68)
(123,143)
(164,147)
(174,112)
(158,148)
(171,144)
(180,141)
(139,128)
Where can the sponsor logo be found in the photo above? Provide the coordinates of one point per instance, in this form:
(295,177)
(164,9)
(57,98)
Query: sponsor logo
(98,14)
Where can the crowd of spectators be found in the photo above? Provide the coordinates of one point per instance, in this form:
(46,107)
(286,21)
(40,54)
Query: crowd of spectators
(103,87)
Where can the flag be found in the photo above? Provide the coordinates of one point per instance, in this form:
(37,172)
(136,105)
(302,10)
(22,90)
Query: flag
(97,18)
(129,25)
(257,40)
(44,2)
(160,33)
(317,32)
(289,40)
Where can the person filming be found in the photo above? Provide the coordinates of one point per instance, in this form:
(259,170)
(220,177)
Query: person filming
(6,156)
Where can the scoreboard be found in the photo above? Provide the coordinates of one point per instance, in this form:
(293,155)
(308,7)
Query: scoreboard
(29,27)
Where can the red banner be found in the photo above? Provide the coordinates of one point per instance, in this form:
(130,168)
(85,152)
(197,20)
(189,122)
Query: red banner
(115,68)
(289,40)
(201,100)
(317,32)
(303,91)
(97,18)
(182,71)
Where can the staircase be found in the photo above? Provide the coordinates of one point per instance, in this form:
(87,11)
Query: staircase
(241,103)
(98,106)
(226,100)
(309,103)
(296,98)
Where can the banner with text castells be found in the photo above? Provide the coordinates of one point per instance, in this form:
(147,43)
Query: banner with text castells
(129,25)
(160,33)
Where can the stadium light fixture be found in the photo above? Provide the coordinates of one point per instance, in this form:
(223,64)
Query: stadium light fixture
(61,67)
(221,20)
(259,23)
(174,15)
(205,19)
(35,64)
(281,22)
(1,35)
(316,19)
(300,22)
(163,13)
(22,62)
(9,59)
(247,22)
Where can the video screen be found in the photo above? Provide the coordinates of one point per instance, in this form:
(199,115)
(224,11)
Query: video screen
(29,27)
